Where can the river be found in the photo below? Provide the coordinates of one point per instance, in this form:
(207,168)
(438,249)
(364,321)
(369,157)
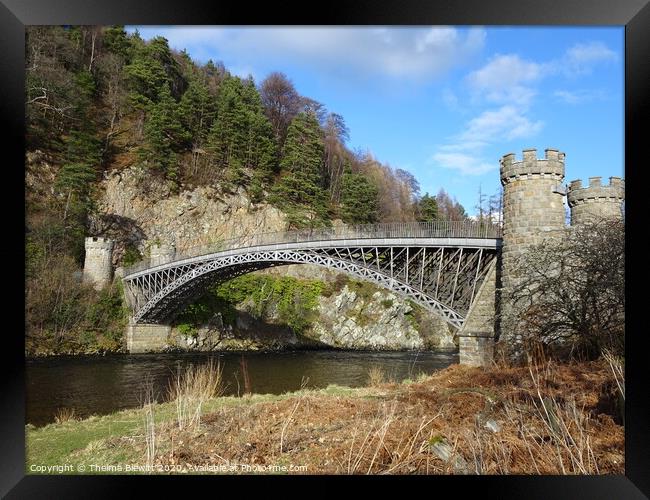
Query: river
(98,385)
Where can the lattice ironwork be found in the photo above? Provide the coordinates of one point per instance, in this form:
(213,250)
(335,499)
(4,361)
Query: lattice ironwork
(442,274)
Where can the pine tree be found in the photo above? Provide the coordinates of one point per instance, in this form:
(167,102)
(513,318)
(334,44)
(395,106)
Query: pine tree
(197,111)
(164,135)
(116,40)
(241,139)
(260,148)
(227,139)
(299,191)
(145,77)
(158,50)
(359,199)
(74,182)
(427,208)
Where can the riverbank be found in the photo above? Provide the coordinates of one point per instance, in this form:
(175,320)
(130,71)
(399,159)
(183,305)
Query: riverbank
(551,419)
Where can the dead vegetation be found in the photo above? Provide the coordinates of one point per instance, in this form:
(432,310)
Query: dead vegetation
(376,376)
(540,419)
(191,388)
(65,415)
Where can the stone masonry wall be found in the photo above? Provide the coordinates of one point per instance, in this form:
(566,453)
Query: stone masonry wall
(596,201)
(141,338)
(98,266)
(476,337)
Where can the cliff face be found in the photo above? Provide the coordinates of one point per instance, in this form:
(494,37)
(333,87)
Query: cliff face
(144,210)
(381,321)
(197,217)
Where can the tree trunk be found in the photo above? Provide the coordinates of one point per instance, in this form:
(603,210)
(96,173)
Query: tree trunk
(92,51)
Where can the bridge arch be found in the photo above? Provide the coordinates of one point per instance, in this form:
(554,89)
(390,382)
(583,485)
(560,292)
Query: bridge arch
(438,265)
(192,283)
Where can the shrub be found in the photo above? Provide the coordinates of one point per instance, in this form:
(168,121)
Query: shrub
(191,388)
(131,256)
(570,293)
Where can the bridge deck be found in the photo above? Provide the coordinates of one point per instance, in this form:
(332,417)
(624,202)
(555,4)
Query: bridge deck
(485,243)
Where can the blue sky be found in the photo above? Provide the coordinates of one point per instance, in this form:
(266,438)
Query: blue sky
(445,103)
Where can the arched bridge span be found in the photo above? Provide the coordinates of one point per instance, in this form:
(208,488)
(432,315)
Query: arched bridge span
(439,265)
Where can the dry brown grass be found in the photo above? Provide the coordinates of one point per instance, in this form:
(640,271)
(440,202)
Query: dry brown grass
(376,376)
(617,366)
(542,419)
(191,388)
(148,402)
(65,415)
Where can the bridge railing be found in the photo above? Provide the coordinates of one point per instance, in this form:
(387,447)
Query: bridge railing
(435,229)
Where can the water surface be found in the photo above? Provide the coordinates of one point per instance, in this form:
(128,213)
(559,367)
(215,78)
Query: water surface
(94,385)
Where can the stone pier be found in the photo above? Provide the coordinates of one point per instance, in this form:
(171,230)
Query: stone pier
(476,337)
(141,338)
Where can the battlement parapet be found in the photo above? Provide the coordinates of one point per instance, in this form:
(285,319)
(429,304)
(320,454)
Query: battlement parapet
(99,243)
(531,167)
(596,192)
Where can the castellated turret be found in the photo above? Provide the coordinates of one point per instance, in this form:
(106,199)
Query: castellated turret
(162,253)
(596,201)
(533,209)
(533,205)
(98,262)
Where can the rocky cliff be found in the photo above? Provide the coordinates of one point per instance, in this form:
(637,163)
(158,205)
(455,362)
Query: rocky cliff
(140,210)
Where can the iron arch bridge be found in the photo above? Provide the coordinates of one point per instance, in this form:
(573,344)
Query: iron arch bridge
(439,265)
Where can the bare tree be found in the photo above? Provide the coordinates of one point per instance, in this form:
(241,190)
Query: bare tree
(281,103)
(336,134)
(449,208)
(480,206)
(569,291)
(495,207)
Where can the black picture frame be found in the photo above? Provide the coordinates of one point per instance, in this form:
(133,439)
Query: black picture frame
(16,14)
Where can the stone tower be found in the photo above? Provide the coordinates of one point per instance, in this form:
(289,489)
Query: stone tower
(596,201)
(98,265)
(533,210)
(161,253)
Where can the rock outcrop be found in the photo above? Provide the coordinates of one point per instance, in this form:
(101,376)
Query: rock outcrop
(198,217)
(380,321)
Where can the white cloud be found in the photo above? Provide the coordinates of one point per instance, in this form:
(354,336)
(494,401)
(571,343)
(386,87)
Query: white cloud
(511,82)
(466,164)
(509,79)
(503,79)
(580,96)
(581,58)
(502,124)
(503,71)
(412,53)
(507,122)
